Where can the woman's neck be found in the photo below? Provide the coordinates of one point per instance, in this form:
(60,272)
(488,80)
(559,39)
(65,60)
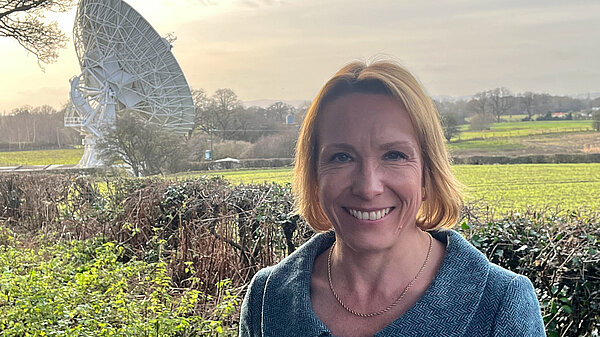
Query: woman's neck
(382,271)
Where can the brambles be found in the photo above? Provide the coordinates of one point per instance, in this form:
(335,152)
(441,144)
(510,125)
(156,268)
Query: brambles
(82,288)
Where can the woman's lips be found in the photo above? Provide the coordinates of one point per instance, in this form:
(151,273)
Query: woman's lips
(369,215)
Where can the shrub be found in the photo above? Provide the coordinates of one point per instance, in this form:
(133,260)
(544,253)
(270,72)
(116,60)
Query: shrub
(280,145)
(83,288)
(479,122)
(195,234)
(231,148)
(559,254)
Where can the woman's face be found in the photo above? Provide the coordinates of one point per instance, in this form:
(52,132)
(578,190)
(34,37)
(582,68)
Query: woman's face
(369,169)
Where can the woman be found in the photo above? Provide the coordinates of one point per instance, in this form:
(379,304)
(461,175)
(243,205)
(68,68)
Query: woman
(371,164)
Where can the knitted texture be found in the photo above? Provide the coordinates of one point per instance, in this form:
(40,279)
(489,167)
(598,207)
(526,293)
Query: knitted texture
(468,297)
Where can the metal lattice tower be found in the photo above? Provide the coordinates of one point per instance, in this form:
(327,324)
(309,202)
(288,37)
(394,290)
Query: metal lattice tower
(125,66)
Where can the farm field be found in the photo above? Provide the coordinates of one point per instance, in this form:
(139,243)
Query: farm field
(503,187)
(44,157)
(519,129)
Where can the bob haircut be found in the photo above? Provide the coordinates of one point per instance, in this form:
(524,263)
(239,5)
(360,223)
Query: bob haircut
(442,201)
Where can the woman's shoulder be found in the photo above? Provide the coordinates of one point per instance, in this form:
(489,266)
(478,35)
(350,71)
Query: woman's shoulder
(461,251)
(505,295)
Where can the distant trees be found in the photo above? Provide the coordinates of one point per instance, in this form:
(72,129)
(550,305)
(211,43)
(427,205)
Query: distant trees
(24,21)
(218,113)
(223,118)
(596,120)
(449,125)
(202,119)
(225,108)
(527,101)
(28,127)
(479,103)
(225,126)
(501,100)
(496,102)
(278,111)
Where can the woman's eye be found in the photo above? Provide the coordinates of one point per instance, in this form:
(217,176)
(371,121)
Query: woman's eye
(340,157)
(395,155)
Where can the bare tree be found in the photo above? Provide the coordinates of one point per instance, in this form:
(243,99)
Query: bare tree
(146,148)
(202,118)
(224,110)
(528,101)
(279,111)
(501,100)
(24,21)
(479,103)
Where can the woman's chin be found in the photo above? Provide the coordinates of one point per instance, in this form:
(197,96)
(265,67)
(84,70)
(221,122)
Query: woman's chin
(367,241)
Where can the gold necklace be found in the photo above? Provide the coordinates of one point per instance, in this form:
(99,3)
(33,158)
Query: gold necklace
(383,311)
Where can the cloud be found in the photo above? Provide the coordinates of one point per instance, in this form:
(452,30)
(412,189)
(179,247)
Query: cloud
(259,3)
(209,2)
(288,48)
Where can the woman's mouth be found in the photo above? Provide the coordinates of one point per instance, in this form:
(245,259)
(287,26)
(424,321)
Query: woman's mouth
(369,215)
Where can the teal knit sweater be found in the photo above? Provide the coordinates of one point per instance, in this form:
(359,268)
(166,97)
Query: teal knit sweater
(468,297)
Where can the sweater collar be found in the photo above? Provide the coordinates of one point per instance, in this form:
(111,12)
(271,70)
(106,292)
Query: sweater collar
(289,287)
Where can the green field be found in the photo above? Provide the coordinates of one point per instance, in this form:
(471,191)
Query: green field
(492,145)
(45,157)
(521,129)
(503,187)
(280,176)
(517,187)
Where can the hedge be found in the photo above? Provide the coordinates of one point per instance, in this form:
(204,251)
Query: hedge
(209,230)
(529,159)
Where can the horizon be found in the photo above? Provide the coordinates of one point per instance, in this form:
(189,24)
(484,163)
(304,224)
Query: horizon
(264,50)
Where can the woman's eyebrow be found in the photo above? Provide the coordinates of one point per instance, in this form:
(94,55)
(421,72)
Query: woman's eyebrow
(397,144)
(341,146)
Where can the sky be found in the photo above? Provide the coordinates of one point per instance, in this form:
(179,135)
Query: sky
(287,49)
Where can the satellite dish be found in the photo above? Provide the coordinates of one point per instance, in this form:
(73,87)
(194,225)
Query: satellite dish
(125,66)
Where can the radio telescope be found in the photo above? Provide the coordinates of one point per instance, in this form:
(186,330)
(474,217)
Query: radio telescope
(125,66)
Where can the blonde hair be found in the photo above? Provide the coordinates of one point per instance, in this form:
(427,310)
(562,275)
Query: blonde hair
(442,199)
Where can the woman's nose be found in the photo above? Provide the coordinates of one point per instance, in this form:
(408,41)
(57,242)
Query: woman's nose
(368,181)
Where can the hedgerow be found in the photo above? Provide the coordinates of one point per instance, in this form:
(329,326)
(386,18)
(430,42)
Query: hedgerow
(560,254)
(207,238)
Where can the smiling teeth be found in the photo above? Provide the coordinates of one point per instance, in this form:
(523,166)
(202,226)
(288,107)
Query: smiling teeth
(373,215)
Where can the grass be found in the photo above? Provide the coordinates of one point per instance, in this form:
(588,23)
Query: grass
(503,187)
(45,157)
(521,129)
(510,187)
(280,176)
(491,145)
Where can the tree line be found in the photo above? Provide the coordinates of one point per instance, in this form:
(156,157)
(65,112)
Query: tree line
(493,105)
(500,102)
(224,127)
(41,127)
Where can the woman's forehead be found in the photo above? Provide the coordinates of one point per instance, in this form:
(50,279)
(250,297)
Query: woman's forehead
(360,117)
